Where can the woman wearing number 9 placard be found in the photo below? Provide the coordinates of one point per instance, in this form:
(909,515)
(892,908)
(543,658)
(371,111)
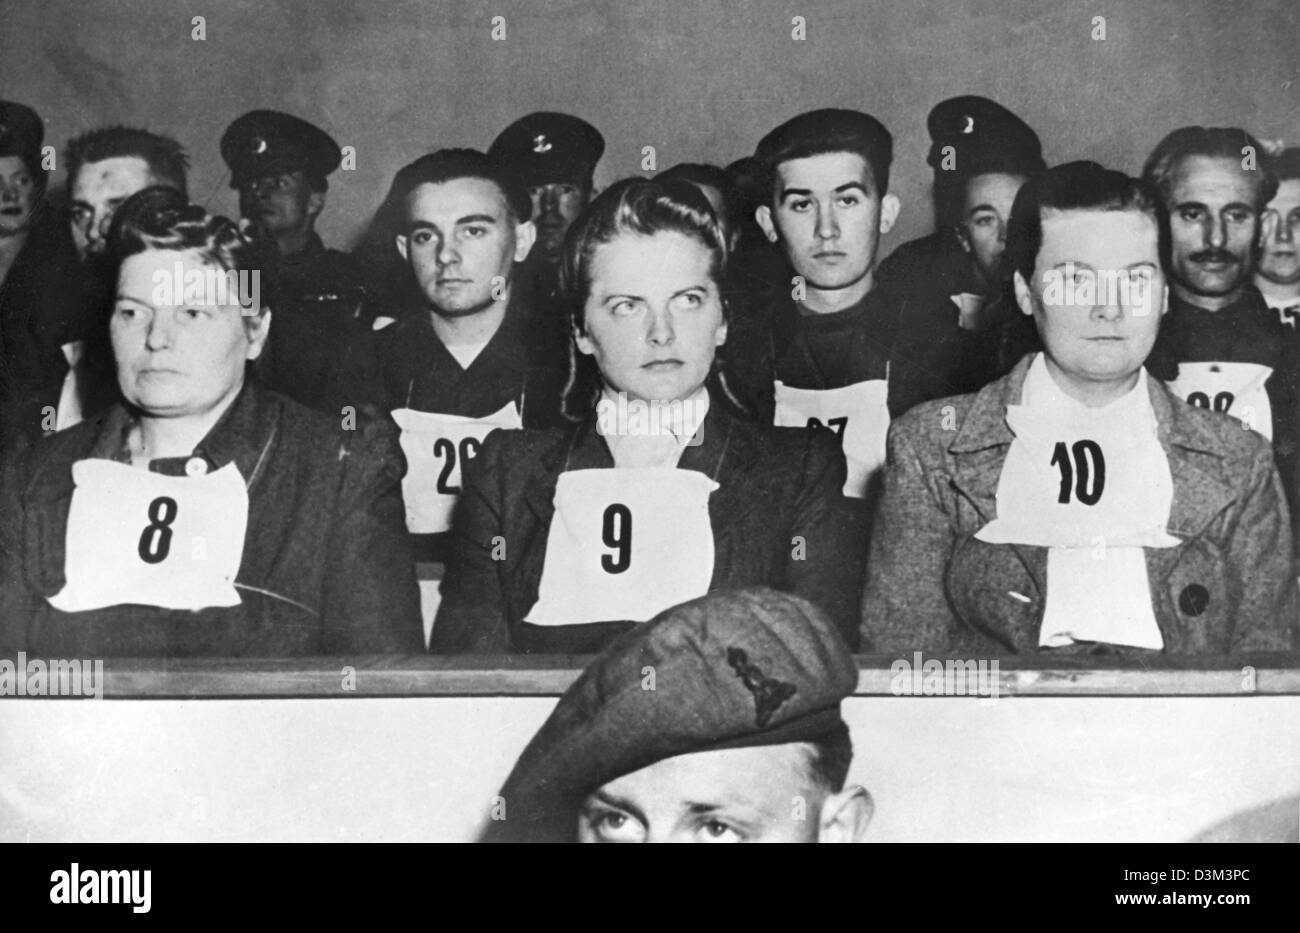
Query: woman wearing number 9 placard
(203,516)
(661,491)
(1075,504)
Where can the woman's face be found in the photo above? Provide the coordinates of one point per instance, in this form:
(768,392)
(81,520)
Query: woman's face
(18,195)
(654,315)
(1097,294)
(180,335)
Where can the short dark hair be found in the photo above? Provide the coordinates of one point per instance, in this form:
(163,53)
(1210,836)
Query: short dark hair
(702,173)
(448,165)
(638,206)
(161,218)
(1219,142)
(1076,186)
(1286,165)
(165,157)
(822,131)
(830,757)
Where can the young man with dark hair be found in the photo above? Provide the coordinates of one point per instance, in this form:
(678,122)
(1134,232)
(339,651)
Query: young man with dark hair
(829,351)
(1221,346)
(1277,272)
(470,357)
(716,721)
(323,302)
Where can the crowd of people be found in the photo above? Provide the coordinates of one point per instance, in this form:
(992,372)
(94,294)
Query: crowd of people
(525,416)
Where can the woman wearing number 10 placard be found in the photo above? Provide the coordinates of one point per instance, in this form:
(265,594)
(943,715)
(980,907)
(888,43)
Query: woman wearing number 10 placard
(202,515)
(661,491)
(1076,505)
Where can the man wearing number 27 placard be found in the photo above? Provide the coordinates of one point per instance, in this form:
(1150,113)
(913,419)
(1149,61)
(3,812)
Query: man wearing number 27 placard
(1076,504)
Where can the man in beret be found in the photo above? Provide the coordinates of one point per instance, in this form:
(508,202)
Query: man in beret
(828,352)
(981,154)
(279,164)
(716,721)
(553,156)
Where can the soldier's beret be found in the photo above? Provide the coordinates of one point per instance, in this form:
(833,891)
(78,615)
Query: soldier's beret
(728,670)
(267,142)
(21,131)
(985,137)
(545,147)
(824,130)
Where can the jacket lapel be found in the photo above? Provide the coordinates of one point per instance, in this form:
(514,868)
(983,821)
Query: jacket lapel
(582,449)
(980,449)
(1195,458)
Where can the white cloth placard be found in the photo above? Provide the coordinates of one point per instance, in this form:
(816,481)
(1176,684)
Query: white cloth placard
(625,544)
(140,538)
(858,413)
(69,411)
(1093,486)
(970,310)
(436,447)
(1234,388)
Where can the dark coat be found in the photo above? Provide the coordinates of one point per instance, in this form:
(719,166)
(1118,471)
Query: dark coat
(326,567)
(932,586)
(321,306)
(776,484)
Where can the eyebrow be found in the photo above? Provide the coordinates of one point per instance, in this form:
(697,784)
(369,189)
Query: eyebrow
(618,803)
(132,299)
(806,192)
(982,207)
(1233,205)
(703,287)
(1083,265)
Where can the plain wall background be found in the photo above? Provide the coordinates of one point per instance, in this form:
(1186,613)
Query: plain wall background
(697,80)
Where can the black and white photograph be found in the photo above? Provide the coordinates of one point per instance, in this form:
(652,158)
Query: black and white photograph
(707,421)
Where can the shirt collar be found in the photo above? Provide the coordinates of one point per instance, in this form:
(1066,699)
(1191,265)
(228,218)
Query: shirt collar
(242,435)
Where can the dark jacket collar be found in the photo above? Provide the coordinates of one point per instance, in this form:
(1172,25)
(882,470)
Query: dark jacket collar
(727,447)
(243,436)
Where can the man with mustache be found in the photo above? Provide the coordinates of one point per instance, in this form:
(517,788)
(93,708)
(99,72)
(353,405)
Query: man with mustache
(1220,346)
(1278,273)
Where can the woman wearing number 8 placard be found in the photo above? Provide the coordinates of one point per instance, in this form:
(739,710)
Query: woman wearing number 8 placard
(204,516)
(661,491)
(1075,504)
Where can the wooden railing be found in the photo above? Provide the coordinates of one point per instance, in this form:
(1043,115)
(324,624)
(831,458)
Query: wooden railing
(550,676)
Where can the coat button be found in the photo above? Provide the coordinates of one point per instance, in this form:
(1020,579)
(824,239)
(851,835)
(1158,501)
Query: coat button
(1193,599)
(196,466)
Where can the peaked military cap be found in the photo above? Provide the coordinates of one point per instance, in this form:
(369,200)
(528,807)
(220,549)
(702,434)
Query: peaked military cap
(985,137)
(267,142)
(546,147)
(731,669)
(21,131)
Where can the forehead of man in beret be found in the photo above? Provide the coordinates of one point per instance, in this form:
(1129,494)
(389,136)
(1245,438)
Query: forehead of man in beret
(745,669)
